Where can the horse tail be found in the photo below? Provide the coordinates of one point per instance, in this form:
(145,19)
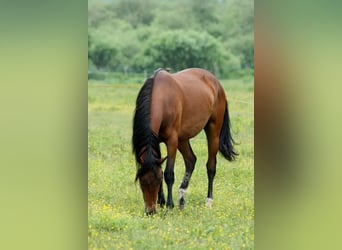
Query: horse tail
(226,141)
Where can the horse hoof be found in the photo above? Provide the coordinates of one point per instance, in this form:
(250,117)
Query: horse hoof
(170,206)
(181,203)
(209,202)
(161,203)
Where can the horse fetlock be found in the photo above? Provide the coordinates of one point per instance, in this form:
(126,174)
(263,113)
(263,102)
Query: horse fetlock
(161,201)
(209,202)
(182,193)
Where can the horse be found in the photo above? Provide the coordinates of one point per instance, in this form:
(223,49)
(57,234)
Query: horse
(172,109)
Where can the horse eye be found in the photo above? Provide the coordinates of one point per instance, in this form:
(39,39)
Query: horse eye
(145,182)
(151,181)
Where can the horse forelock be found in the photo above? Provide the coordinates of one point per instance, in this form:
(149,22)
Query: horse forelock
(150,162)
(145,141)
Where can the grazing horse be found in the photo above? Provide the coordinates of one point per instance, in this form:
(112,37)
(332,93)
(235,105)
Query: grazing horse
(172,108)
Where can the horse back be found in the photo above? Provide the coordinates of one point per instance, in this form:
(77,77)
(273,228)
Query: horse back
(183,102)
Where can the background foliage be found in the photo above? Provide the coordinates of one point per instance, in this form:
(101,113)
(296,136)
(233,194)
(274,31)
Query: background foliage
(142,35)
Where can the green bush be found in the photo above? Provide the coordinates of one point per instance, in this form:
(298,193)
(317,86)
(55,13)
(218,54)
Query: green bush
(139,35)
(179,49)
(103,55)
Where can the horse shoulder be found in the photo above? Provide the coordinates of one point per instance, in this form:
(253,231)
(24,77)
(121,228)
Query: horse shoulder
(165,105)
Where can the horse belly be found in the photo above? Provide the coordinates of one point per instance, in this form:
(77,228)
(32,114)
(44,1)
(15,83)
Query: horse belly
(192,124)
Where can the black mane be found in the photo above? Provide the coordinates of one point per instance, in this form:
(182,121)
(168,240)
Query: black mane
(144,139)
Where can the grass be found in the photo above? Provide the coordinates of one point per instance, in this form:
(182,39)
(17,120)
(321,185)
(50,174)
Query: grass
(116,217)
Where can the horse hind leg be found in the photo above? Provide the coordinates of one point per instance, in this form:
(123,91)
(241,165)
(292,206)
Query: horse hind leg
(213,145)
(190,161)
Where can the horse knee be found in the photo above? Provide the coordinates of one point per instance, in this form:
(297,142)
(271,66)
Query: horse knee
(169,176)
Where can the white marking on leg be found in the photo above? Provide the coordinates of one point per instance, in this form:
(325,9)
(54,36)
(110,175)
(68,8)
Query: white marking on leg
(182,193)
(209,202)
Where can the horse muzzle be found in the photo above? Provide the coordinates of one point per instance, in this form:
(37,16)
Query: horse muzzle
(150,211)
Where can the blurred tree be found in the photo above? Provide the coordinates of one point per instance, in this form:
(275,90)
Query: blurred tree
(89,44)
(204,12)
(178,50)
(99,14)
(239,33)
(146,34)
(171,18)
(245,50)
(103,55)
(136,12)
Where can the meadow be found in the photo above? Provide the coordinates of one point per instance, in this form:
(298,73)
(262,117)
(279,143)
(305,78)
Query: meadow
(116,217)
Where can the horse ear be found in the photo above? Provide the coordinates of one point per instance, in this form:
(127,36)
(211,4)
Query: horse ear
(161,160)
(141,160)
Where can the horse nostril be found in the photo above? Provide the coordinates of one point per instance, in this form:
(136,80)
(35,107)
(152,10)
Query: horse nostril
(149,213)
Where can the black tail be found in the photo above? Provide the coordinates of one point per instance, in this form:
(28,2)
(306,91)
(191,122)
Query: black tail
(226,141)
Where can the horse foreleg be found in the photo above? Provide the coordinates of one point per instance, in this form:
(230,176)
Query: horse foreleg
(169,179)
(189,160)
(169,170)
(161,197)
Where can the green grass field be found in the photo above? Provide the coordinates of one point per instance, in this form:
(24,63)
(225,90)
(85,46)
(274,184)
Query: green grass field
(116,217)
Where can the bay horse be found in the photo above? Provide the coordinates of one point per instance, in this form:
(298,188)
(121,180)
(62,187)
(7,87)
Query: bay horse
(172,108)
